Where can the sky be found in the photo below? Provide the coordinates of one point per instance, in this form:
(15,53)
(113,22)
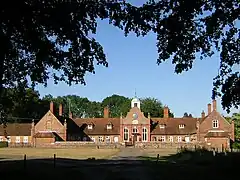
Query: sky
(132,66)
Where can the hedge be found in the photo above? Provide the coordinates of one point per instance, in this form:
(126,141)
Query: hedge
(3,144)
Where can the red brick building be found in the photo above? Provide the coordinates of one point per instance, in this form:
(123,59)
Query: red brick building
(210,129)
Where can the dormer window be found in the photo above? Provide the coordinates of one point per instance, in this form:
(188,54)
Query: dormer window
(90,126)
(162,126)
(181,126)
(109,126)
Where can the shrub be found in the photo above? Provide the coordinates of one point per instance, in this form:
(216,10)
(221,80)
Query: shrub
(3,144)
(236,145)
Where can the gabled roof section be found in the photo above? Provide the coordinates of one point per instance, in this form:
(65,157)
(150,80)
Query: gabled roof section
(100,125)
(172,126)
(16,129)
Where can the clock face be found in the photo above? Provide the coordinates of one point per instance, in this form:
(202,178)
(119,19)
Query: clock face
(135,116)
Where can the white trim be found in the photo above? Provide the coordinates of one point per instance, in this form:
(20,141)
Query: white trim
(216,131)
(46,131)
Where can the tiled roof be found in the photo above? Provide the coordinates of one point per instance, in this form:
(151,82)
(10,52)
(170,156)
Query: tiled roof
(99,125)
(217,134)
(16,129)
(172,126)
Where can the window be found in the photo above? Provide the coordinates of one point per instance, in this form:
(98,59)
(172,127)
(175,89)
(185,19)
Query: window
(108,139)
(170,139)
(18,139)
(144,134)
(181,126)
(154,138)
(135,130)
(25,139)
(109,126)
(125,134)
(162,126)
(115,139)
(162,138)
(90,126)
(93,139)
(100,139)
(9,139)
(135,104)
(48,125)
(179,139)
(215,123)
(1,138)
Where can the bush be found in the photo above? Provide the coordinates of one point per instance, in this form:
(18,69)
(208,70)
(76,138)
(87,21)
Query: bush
(236,145)
(3,144)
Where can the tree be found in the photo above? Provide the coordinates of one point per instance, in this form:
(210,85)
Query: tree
(152,106)
(187,115)
(20,108)
(57,36)
(117,105)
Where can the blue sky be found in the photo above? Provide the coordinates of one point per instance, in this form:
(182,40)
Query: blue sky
(132,65)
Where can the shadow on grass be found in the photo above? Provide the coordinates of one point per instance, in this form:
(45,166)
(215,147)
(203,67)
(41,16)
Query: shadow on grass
(185,165)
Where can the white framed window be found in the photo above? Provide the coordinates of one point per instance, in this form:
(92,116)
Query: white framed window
(18,139)
(187,139)
(163,139)
(215,124)
(108,139)
(90,126)
(144,134)
(1,138)
(8,139)
(170,139)
(93,139)
(25,139)
(100,139)
(181,126)
(125,134)
(135,130)
(162,126)
(109,126)
(115,139)
(179,139)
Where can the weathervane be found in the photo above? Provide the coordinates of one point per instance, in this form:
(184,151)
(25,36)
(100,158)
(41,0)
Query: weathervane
(135,92)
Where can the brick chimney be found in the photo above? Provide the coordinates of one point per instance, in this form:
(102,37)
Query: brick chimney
(214,104)
(70,115)
(209,108)
(60,110)
(51,106)
(165,112)
(232,131)
(203,114)
(106,112)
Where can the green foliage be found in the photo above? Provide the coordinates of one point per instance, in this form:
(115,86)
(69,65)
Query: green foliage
(58,35)
(117,105)
(236,145)
(3,144)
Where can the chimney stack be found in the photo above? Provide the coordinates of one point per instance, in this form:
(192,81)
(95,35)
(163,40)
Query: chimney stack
(209,108)
(214,104)
(70,115)
(203,114)
(51,106)
(60,110)
(106,112)
(165,112)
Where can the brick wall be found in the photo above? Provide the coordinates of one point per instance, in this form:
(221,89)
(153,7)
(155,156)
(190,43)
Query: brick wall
(79,144)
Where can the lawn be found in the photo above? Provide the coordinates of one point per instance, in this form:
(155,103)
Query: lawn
(60,153)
